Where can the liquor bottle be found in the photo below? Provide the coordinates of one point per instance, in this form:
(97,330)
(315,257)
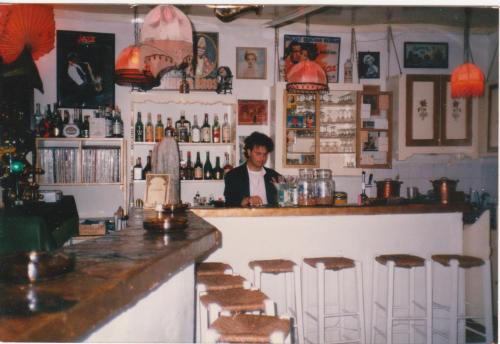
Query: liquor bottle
(57,126)
(147,168)
(218,171)
(182,167)
(108,122)
(158,129)
(44,126)
(216,130)
(37,118)
(149,133)
(198,168)
(49,121)
(70,129)
(189,167)
(85,132)
(226,130)
(169,130)
(117,124)
(208,172)
(65,117)
(138,169)
(205,131)
(139,129)
(227,166)
(183,128)
(195,131)
(362,198)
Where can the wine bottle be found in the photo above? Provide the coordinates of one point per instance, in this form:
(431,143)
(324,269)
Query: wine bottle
(189,167)
(108,121)
(139,129)
(208,172)
(147,168)
(158,129)
(198,167)
(149,131)
(182,167)
(218,171)
(37,119)
(226,130)
(195,131)
(169,130)
(138,169)
(227,166)
(205,131)
(216,130)
(57,126)
(85,132)
(117,124)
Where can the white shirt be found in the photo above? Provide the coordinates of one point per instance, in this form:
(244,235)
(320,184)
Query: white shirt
(74,71)
(257,184)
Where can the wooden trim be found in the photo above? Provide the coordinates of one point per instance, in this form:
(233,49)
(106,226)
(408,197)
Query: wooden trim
(490,148)
(410,79)
(467,141)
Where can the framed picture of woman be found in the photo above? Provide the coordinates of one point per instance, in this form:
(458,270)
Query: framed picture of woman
(251,63)
(369,65)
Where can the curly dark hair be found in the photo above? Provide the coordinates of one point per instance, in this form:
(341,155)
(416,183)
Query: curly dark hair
(258,139)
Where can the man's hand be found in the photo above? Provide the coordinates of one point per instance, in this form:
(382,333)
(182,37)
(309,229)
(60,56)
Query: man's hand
(252,201)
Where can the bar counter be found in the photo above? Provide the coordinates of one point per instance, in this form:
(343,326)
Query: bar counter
(120,290)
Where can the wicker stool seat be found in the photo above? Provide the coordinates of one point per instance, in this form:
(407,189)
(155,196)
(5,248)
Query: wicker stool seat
(406,261)
(215,268)
(274,266)
(249,328)
(463,261)
(236,300)
(220,282)
(331,263)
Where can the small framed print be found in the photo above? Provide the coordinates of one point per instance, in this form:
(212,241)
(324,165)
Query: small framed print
(251,63)
(252,112)
(425,55)
(369,65)
(157,189)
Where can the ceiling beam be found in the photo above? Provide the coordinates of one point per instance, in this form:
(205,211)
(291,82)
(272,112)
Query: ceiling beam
(292,16)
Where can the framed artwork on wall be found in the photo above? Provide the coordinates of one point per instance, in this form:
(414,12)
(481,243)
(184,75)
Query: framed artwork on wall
(323,50)
(85,69)
(425,55)
(251,63)
(369,65)
(252,112)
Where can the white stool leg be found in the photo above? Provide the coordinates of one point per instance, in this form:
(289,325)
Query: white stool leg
(320,270)
(453,324)
(390,300)
(361,307)
(340,294)
(411,308)
(428,300)
(200,290)
(487,303)
(374,301)
(299,316)
(257,273)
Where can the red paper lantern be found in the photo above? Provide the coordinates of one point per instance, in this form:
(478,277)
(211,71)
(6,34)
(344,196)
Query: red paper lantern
(467,80)
(306,77)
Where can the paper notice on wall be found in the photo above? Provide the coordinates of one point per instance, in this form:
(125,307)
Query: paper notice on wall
(365,110)
(381,123)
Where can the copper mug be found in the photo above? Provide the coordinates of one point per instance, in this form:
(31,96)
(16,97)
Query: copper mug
(444,188)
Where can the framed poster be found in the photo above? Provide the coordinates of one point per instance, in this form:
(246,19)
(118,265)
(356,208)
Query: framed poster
(323,50)
(85,69)
(425,55)
(157,186)
(201,74)
(252,112)
(369,65)
(251,63)
(493,118)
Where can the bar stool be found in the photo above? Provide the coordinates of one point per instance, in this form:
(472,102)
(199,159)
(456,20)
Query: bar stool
(249,328)
(410,263)
(349,320)
(456,306)
(213,268)
(291,285)
(230,301)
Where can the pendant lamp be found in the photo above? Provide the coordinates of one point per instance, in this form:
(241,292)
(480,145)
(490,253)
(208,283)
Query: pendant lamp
(467,79)
(306,77)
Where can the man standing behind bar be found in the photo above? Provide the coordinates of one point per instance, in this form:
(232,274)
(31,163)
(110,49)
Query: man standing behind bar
(251,184)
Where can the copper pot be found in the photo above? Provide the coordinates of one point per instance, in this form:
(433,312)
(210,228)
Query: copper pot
(388,188)
(445,189)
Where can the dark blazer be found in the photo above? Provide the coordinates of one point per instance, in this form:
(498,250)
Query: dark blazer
(237,186)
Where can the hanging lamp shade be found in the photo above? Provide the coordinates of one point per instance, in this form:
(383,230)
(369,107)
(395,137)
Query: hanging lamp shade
(166,39)
(128,70)
(306,77)
(4,14)
(467,80)
(27,25)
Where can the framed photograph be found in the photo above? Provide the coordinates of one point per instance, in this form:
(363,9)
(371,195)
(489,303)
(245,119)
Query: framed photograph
(493,118)
(369,65)
(251,63)
(252,112)
(202,73)
(157,186)
(323,50)
(85,69)
(425,55)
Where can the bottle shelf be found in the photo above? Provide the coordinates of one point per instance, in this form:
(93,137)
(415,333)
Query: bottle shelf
(142,181)
(190,144)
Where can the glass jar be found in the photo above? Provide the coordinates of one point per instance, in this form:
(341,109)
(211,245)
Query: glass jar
(306,188)
(340,198)
(325,187)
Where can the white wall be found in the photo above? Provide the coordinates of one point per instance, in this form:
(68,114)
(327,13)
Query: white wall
(415,171)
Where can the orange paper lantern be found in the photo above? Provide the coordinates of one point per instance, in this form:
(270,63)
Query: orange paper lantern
(467,80)
(128,71)
(306,77)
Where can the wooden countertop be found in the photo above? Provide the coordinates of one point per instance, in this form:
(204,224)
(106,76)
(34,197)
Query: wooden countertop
(328,211)
(111,273)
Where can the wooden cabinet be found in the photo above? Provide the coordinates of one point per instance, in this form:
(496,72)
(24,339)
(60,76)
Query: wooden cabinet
(428,120)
